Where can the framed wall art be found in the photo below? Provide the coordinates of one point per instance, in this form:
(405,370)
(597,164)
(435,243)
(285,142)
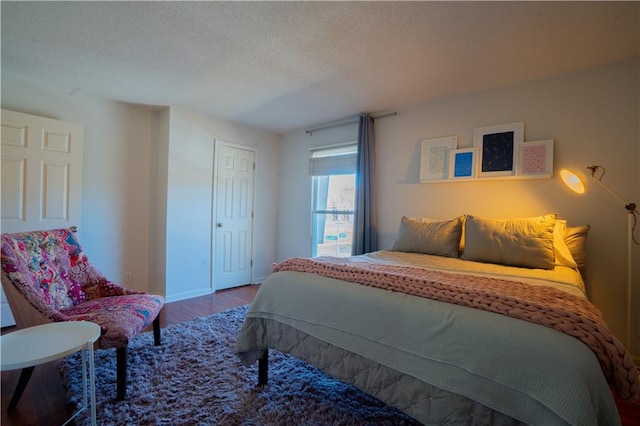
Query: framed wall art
(434,161)
(535,158)
(462,163)
(497,148)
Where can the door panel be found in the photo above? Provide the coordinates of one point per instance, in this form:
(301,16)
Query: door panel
(13,189)
(233,232)
(41,161)
(55,192)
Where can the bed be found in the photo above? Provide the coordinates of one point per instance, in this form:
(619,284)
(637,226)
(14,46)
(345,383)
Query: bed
(461,322)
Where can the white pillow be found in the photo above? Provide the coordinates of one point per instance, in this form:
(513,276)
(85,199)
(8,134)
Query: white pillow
(563,254)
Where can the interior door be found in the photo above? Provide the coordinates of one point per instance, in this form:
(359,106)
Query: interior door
(41,175)
(233,219)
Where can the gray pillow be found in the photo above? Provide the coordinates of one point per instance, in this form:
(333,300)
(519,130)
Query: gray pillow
(576,239)
(440,238)
(524,242)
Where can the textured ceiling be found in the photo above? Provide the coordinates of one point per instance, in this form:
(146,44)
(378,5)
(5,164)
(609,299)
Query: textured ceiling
(285,66)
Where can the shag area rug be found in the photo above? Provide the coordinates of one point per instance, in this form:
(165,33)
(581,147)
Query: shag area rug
(194,378)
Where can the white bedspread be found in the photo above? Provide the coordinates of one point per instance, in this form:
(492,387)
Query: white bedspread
(561,278)
(527,371)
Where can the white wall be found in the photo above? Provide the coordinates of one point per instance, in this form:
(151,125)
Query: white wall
(115,188)
(189,199)
(593,116)
(158,195)
(147,186)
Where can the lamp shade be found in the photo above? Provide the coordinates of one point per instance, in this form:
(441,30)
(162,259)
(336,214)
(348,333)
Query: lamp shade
(572,181)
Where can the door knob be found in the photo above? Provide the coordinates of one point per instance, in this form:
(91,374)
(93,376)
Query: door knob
(219,225)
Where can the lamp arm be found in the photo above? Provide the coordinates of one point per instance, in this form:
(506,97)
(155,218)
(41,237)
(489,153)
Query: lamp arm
(631,207)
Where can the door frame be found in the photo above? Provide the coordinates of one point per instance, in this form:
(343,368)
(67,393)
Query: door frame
(217,143)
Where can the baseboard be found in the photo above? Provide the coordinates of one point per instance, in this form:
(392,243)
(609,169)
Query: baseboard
(258,280)
(187,295)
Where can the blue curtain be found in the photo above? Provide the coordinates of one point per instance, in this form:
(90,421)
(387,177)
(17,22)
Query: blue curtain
(365,239)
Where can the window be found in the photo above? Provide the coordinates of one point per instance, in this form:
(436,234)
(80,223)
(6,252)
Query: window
(333,173)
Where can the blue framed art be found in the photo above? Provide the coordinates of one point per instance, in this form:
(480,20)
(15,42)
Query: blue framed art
(463,163)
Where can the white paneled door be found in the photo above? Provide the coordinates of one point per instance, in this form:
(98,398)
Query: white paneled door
(41,175)
(233,218)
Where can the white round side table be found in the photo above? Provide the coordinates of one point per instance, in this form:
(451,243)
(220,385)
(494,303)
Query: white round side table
(37,345)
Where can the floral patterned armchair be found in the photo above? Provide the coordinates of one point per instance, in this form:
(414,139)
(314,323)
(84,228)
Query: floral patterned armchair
(47,277)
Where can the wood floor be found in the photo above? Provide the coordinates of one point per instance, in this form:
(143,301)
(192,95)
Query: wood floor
(43,402)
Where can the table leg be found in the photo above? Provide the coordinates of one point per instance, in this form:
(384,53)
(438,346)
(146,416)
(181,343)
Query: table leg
(25,375)
(84,379)
(89,388)
(92,385)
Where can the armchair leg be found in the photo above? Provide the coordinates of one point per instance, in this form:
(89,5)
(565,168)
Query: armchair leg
(121,362)
(121,373)
(156,331)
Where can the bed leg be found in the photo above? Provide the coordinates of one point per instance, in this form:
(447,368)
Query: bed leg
(263,368)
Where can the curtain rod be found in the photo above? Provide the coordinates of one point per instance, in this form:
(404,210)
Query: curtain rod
(343,123)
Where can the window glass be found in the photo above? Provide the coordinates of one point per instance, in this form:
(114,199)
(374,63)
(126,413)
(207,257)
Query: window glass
(333,195)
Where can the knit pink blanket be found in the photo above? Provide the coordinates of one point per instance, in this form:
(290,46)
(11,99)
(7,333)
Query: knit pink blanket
(553,308)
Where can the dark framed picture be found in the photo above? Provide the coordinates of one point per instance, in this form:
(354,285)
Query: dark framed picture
(497,148)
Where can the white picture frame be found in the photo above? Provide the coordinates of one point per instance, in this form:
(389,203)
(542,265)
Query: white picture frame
(434,160)
(498,148)
(462,163)
(535,158)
